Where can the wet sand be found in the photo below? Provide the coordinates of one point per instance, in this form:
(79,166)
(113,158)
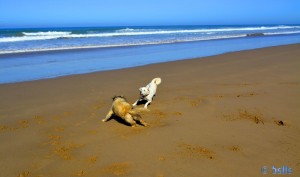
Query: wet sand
(226,115)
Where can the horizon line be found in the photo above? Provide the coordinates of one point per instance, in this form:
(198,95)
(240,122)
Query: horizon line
(116,26)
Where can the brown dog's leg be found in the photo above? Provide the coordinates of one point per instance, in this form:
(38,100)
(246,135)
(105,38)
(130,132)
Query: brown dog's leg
(128,118)
(109,114)
(139,119)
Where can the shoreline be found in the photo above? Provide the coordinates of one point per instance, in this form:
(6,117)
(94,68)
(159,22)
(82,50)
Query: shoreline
(237,110)
(36,66)
(131,67)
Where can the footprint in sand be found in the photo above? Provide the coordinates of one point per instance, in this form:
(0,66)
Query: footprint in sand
(255,117)
(60,148)
(196,151)
(24,123)
(54,140)
(177,113)
(65,150)
(218,96)
(193,101)
(247,94)
(160,175)
(158,113)
(117,169)
(24,174)
(158,117)
(280,122)
(3,128)
(162,158)
(234,148)
(59,129)
(39,119)
(92,159)
(81,173)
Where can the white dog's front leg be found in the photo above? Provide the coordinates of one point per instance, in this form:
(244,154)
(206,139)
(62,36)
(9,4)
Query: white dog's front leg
(134,104)
(146,105)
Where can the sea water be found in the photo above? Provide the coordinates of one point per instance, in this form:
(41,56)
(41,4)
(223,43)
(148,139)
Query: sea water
(32,54)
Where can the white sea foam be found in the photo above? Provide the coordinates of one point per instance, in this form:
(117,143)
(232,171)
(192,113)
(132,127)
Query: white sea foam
(127,30)
(284,32)
(33,36)
(123,44)
(49,33)
(30,36)
(26,38)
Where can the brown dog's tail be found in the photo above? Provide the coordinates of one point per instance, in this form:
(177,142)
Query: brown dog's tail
(136,111)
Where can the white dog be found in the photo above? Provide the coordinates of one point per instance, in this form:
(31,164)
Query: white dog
(147,93)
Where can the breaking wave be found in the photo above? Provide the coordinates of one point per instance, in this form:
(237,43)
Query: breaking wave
(31,36)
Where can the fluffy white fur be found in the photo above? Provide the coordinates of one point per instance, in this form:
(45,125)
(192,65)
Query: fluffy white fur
(147,93)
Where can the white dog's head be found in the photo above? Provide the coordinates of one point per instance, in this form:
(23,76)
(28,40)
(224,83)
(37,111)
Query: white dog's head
(144,91)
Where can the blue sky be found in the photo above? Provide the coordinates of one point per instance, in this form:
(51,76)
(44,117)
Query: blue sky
(64,13)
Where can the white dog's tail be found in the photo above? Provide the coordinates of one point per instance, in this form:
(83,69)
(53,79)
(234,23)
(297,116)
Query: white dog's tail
(157,81)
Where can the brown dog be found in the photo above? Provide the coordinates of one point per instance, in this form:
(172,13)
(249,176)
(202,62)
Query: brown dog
(121,108)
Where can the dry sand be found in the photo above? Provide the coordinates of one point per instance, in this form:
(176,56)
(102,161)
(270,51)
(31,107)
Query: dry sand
(226,115)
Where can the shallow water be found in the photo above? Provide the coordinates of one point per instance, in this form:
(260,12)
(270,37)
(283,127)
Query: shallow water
(40,65)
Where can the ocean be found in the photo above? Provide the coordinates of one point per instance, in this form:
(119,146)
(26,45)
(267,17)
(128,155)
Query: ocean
(39,53)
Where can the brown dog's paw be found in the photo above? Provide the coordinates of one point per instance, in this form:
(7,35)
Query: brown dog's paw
(145,124)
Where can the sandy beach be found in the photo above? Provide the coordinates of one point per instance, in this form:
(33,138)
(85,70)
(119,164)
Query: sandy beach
(226,115)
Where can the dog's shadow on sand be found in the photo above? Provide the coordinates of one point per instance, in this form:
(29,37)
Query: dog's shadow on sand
(122,121)
(143,102)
